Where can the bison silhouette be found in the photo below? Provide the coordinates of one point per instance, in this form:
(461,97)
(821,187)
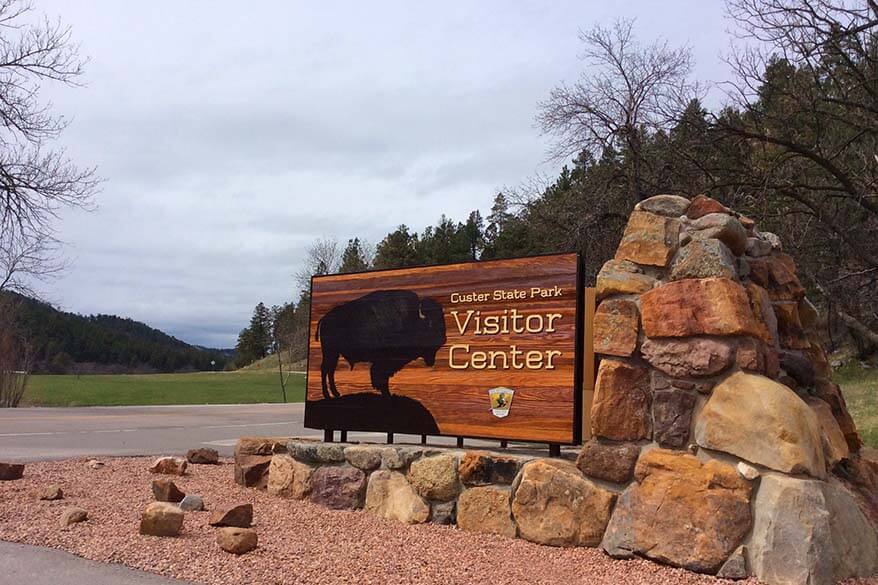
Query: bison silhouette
(387,328)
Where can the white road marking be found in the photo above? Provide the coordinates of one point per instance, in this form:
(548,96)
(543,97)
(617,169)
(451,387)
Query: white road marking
(145,429)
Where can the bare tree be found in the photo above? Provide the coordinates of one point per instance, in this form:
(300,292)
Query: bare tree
(627,89)
(323,256)
(15,357)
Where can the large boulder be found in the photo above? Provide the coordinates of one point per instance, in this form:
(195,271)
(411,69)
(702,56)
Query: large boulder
(608,461)
(554,504)
(11,471)
(667,205)
(706,306)
(704,259)
(703,205)
(161,519)
(483,468)
(435,478)
(339,488)
(692,357)
(365,457)
(621,406)
(681,512)
(485,509)
(723,227)
(253,457)
(777,274)
(622,277)
(649,239)
(763,422)
(835,447)
(672,416)
(809,532)
(389,495)
(288,478)
(616,325)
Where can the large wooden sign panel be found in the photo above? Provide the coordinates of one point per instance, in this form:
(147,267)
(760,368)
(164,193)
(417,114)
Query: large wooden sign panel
(481,349)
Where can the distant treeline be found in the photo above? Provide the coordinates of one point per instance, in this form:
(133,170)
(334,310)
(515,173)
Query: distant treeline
(61,342)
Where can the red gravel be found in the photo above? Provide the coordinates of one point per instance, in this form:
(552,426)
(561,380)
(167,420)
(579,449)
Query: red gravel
(299,542)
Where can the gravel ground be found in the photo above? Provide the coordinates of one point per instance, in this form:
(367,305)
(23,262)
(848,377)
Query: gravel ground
(298,542)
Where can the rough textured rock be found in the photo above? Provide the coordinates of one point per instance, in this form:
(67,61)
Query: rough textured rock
(693,357)
(339,488)
(790,331)
(764,313)
(390,496)
(703,205)
(169,466)
(764,422)
(672,416)
(750,355)
(237,540)
(809,532)
(616,325)
(681,512)
(192,503)
(239,516)
(554,505)
(722,227)
(736,566)
(757,247)
(161,519)
(11,471)
(621,407)
(317,452)
(72,515)
(666,205)
(835,447)
(252,458)
(707,306)
(435,478)
(608,461)
(649,239)
(444,513)
(830,393)
(747,471)
(483,468)
(777,274)
(704,259)
(365,457)
(202,456)
(51,493)
(95,464)
(288,478)
(808,314)
(798,366)
(622,277)
(485,509)
(165,490)
(398,457)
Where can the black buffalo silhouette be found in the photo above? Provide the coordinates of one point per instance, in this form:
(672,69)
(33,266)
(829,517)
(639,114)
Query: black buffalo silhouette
(387,328)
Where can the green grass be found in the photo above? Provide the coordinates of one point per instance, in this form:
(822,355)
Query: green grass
(197,388)
(860,388)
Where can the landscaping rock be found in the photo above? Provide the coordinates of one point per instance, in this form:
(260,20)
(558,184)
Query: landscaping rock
(253,457)
(339,488)
(680,512)
(763,422)
(483,468)
(389,495)
(835,447)
(704,259)
(317,452)
(444,513)
(11,471)
(616,325)
(621,407)
(554,504)
(161,519)
(95,464)
(622,277)
(363,457)
(398,457)
(723,227)
(166,490)
(435,478)
(666,205)
(203,456)
(51,493)
(239,516)
(736,566)
(608,461)
(707,306)
(485,509)
(672,416)
(649,239)
(192,503)
(73,515)
(289,478)
(702,205)
(237,540)
(169,466)
(693,357)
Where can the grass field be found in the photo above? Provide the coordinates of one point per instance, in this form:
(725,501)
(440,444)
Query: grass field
(860,388)
(197,388)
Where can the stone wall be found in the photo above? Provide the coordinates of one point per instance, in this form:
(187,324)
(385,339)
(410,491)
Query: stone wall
(721,444)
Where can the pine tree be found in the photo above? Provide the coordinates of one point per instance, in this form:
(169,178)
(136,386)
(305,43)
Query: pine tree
(353,259)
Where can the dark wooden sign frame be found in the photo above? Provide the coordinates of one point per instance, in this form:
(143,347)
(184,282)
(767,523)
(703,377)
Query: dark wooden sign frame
(411,341)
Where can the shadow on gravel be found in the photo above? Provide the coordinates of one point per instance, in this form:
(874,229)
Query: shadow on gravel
(367,411)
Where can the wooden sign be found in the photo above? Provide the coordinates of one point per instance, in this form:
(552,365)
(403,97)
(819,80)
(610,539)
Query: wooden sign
(481,349)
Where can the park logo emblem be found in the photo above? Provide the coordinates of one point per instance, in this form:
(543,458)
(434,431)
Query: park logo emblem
(501,401)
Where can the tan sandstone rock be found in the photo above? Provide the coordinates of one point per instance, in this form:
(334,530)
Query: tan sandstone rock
(554,504)
(288,478)
(621,407)
(763,422)
(72,515)
(835,447)
(485,509)
(484,468)
(708,306)
(239,516)
(616,325)
(161,519)
(681,512)
(389,495)
(622,277)
(667,205)
(365,457)
(649,239)
(165,490)
(253,458)
(169,466)
(51,493)
(608,461)
(435,478)
(237,541)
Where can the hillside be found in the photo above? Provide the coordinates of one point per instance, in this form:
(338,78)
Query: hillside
(64,342)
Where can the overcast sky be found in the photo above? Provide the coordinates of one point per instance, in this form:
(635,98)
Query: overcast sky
(231,135)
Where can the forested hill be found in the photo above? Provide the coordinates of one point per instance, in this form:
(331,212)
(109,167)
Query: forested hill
(62,342)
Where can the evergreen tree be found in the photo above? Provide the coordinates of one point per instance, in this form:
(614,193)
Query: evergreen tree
(398,249)
(353,259)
